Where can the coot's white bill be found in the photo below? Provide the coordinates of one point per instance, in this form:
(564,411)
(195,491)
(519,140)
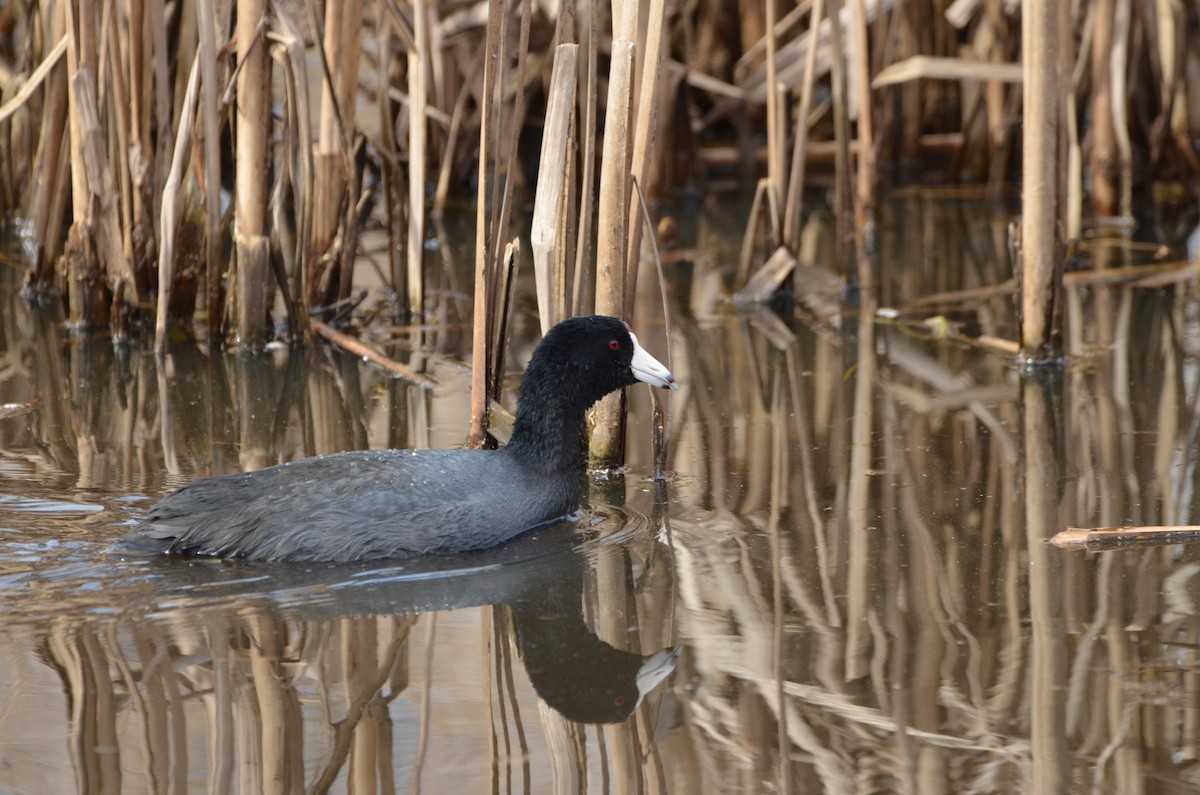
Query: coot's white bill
(647,368)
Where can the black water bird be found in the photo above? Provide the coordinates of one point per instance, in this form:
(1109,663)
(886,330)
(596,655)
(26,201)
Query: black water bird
(390,504)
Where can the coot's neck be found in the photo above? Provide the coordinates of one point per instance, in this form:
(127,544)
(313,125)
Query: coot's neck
(548,430)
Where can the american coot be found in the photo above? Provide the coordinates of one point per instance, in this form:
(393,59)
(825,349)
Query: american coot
(375,505)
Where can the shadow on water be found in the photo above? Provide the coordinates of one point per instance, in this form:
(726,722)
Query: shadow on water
(853,566)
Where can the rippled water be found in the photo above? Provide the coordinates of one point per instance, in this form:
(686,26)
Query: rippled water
(845,586)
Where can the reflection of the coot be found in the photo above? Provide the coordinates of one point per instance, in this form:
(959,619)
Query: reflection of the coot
(539,578)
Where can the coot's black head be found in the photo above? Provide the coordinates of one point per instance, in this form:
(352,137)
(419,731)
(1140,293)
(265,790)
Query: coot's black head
(592,356)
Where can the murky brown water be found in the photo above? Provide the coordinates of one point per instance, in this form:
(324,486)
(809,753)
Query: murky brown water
(850,558)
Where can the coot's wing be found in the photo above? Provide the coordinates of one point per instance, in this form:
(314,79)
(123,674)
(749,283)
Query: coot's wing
(355,506)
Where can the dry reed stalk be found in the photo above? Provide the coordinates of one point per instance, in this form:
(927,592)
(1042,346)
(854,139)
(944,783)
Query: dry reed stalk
(210,83)
(508,163)
(395,217)
(775,146)
(551,197)
(1105,190)
(857,516)
(169,216)
(589,97)
(253,126)
(298,150)
(864,206)
(506,286)
(137,126)
(101,213)
(442,191)
(477,434)
(1118,69)
(644,134)
(793,206)
(418,84)
(339,51)
(114,99)
(607,441)
(163,126)
(50,160)
(1046,593)
(280,761)
(1041,278)
(844,194)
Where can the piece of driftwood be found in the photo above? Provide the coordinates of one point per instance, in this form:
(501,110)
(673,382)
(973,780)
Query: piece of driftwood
(367,352)
(1123,537)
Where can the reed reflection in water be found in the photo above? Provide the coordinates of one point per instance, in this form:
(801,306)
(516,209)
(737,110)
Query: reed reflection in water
(851,555)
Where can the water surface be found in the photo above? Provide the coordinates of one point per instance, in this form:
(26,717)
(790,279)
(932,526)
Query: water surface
(847,570)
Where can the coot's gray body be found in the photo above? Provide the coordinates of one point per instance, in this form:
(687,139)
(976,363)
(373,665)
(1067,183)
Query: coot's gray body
(376,505)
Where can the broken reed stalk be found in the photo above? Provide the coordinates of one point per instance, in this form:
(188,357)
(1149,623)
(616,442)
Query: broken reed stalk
(253,130)
(549,205)
(477,433)
(418,83)
(607,442)
(644,133)
(1041,279)
(339,52)
(506,288)
(169,215)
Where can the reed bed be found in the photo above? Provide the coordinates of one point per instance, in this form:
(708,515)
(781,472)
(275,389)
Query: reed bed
(125,124)
(303,117)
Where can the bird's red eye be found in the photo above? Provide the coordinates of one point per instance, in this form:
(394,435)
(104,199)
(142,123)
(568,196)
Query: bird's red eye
(613,345)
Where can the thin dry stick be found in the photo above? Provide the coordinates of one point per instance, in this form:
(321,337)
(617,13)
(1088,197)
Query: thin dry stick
(456,121)
(367,352)
(774,111)
(589,99)
(844,201)
(660,457)
(34,82)
(865,192)
(500,227)
(418,82)
(1120,108)
(793,205)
